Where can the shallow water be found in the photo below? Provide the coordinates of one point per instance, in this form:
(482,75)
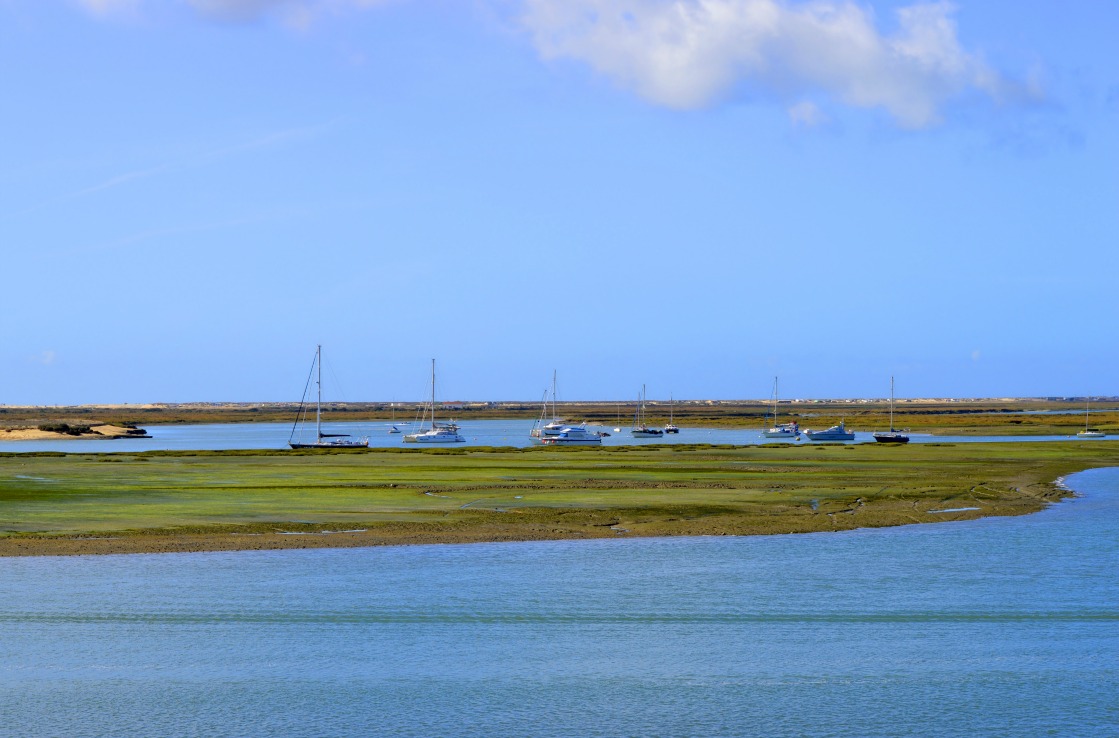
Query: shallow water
(477,433)
(991,627)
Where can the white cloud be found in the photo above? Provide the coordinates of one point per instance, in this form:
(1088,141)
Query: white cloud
(690,53)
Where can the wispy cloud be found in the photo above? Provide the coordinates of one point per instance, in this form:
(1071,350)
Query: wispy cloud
(298,13)
(691,53)
(121,179)
(806,114)
(275,138)
(45,358)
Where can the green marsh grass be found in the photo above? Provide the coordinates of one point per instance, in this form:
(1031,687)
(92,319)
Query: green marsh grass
(511,494)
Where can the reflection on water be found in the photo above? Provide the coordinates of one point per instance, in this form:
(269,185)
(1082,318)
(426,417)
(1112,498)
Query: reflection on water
(477,433)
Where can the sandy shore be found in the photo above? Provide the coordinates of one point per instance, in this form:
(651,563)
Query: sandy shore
(100,430)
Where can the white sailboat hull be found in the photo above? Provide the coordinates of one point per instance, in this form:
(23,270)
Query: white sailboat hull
(364,443)
(434,437)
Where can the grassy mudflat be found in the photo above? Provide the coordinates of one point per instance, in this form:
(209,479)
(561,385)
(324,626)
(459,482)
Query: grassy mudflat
(191,501)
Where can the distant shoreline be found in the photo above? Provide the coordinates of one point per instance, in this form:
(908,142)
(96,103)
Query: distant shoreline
(995,416)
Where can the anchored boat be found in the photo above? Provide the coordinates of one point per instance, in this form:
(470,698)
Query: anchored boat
(786,431)
(541,429)
(835,433)
(640,428)
(322,440)
(437,432)
(891,436)
(1089,432)
(577,435)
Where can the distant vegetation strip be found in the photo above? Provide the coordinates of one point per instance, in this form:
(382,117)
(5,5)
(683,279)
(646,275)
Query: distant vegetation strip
(222,500)
(959,417)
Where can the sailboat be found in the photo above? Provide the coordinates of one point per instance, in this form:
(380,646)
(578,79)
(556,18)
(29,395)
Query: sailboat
(640,428)
(786,431)
(542,430)
(891,436)
(670,427)
(1089,432)
(392,423)
(322,440)
(437,432)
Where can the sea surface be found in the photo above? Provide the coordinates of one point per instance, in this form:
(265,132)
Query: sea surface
(994,627)
(514,432)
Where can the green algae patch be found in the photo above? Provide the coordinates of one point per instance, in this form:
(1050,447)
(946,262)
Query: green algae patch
(218,500)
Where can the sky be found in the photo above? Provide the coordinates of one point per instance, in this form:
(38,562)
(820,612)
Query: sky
(695,196)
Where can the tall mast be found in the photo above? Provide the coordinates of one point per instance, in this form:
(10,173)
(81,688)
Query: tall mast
(891,403)
(554,414)
(433,394)
(775,402)
(318,399)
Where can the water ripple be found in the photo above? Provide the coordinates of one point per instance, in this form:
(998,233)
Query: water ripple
(326,617)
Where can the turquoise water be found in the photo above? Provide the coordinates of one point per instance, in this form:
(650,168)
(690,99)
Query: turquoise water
(997,627)
(509,432)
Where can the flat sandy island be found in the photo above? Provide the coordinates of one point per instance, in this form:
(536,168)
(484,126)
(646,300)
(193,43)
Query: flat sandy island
(100,430)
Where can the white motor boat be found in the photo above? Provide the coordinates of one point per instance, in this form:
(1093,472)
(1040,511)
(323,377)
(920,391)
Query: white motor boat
(552,428)
(835,433)
(573,436)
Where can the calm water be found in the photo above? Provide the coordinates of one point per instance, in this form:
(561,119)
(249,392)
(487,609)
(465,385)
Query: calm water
(999,627)
(477,433)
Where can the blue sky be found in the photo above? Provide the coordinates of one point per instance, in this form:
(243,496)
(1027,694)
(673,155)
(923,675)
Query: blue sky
(695,196)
